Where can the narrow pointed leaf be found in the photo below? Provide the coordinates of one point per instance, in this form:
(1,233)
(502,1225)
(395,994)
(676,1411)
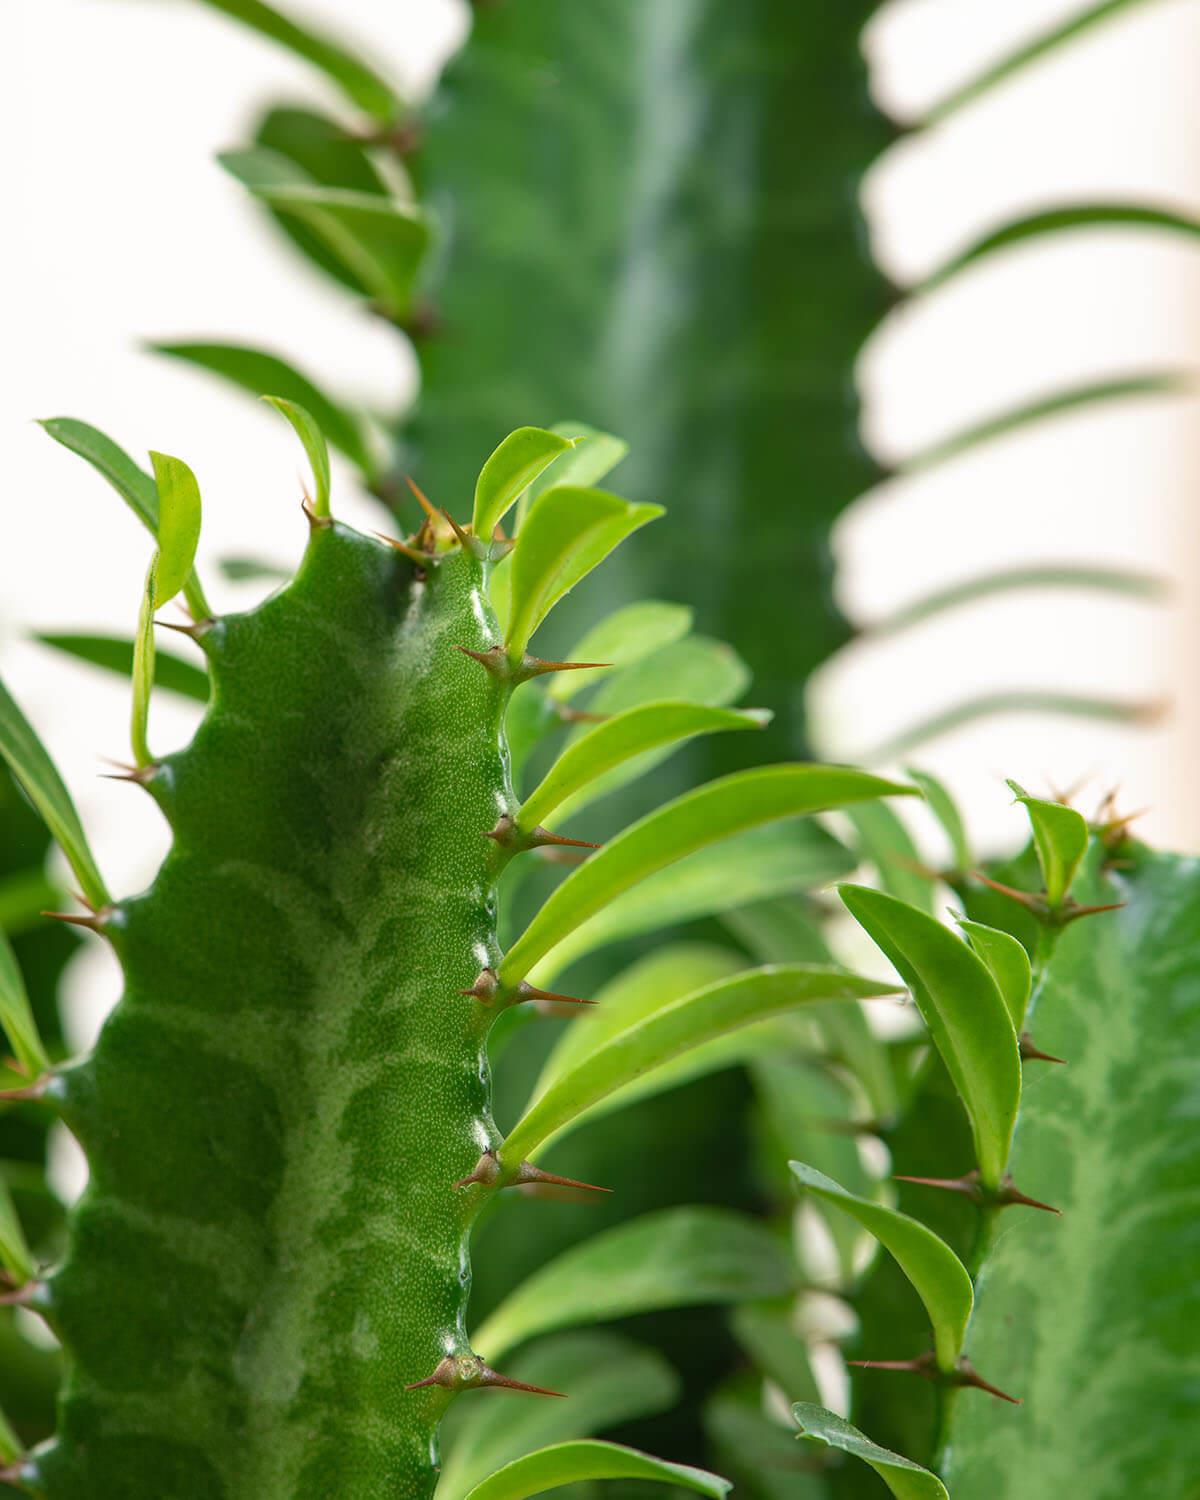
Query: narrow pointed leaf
(751,1444)
(620,739)
(884,842)
(622,638)
(509,472)
(938,1276)
(1017,61)
(252,569)
(15,1257)
(776,859)
(905,1479)
(670,1031)
(16,1016)
(610,1381)
(1054,221)
(679,1257)
(945,810)
(306,429)
(143,670)
(256,371)
(1008,963)
(178,525)
(567,533)
(594,455)
(361,83)
(1060,835)
(588,1458)
(1152,383)
(36,772)
(114,653)
(963,1009)
(747,799)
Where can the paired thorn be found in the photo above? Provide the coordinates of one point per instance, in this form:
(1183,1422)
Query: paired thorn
(467,1372)
(488,1172)
(963,1374)
(196,630)
(509,836)
(139,775)
(423,560)
(315,522)
(28,1092)
(21,1296)
(496,661)
(1063,915)
(488,990)
(94,921)
(1030,1053)
(1005,1196)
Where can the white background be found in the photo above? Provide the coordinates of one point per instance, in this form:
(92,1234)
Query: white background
(126,229)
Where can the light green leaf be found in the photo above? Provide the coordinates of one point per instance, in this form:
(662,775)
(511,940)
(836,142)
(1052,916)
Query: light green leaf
(16,1016)
(620,739)
(679,1257)
(622,638)
(594,455)
(649,1042)
(906,1480)
(143,670)
(11,1446)
(1008,963)
(609,1380)
(1060,836)
(178,525)
(15,1256)
(938,1276)
(963,1009)
(360,83)
(588,1458)
(705,816)
(1074,398)
(945,810)
(115,654)
(789,856)
(256,371)
(567,533)
(306,429)
(33,768)
(510,470)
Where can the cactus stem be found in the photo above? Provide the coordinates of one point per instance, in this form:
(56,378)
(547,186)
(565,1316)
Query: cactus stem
(489,1172)
(315,522)
(465,1372)
(1030,1053)
(497,662)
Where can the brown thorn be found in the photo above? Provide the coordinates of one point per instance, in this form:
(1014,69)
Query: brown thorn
(414,554)
(528,1173)
(540,838)
(534,666)
(93,923)
(1011,1195)
(526,991)
(966,1374)
(464,540)
(1073,913)
(21,1296)
(29,1091)
(485,1172)
(422,499)
(1031,902)
(1030,1053)
(489,659)
(316,522)
(196,631)
(923,1366)
(15,1474)
(465,1372)
(502,1382)
(968,1186)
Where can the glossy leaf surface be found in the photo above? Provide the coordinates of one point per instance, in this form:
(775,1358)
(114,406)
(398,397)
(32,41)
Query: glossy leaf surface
(305,426)
(178,525)
(906,1480)
(574,1463)
(16,1016)
(1060,835)
(1009,964)
(509,471)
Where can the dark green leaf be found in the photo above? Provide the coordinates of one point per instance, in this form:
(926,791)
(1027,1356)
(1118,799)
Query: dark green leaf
(1009,964)
(16,1017)
(115,654)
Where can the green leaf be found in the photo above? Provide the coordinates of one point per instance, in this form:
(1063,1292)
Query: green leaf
(649,1042)
(1008,964)
(16,1016)
(1019,60)
(618,740)
(251,570)
(1054,221)
(11,1446)
(509,472)
(790,856)
(594,455)
(306,429)
(355,77)
(15,1256)
(938,1276)
(966,1016)
(885,842)
(178,525)
(705,816)
(1093,1315)
(137,488)
(256,371)
(143,670)
(765,1331)
(588,1458)
(33,768)
(945,810)
(380,241)
(1092,393)
(1060,836)
(626,636)
(906,1480)
(680,1257)
(567,533)
(756,1449)
(115,654)
(610,1381)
